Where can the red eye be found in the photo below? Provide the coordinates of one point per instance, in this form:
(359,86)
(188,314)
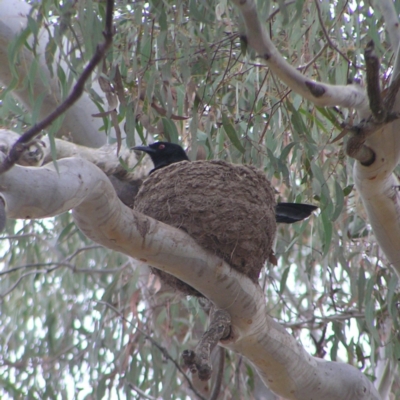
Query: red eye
(161,146)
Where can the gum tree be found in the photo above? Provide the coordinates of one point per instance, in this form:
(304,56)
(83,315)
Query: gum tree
(307,92)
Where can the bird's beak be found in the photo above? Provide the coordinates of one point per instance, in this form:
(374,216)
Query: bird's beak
(146,149)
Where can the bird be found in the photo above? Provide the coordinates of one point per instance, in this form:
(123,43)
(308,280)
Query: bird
(163,154)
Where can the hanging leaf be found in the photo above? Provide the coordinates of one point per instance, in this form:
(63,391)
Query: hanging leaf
(231,133)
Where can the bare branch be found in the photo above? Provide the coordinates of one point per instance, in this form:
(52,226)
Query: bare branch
(373,85)
(326,34)
(140,392)
(312,61)
(199,361)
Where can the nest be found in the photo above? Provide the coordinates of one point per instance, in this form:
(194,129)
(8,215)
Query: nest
(227,209)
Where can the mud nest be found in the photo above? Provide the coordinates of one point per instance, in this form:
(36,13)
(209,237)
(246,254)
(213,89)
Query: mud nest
(227,209)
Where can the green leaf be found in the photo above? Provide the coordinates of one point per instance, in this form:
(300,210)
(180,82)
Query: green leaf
(50,51)
(347,190)
(231,133)
(243,46)
(328,230)
(361,282)
(297,120)
(391,291)
(37,105)
(285,152)
(101,388)
(130,125)
(66,231)
(279,165)
(284,279)
(330,116)
(170,130)
(107,295)
(339,201)
(370,310)
(14,47)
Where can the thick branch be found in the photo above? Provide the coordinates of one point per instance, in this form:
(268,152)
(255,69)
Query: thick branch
(381,198)
(281,362)
(38,152)
(321,94)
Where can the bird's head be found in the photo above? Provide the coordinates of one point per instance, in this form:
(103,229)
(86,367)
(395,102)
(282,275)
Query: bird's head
(163,153)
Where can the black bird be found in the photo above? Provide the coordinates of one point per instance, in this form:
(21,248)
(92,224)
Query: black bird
(165,153)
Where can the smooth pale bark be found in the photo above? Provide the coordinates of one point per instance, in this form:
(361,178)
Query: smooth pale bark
(283,364)
(78,120)
(388,10)
(105,157)
(350,96)
(379,191)
(376,183)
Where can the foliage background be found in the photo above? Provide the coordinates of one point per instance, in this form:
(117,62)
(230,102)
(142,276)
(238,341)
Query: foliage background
(180,71)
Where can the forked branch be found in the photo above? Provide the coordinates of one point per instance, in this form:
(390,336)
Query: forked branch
(381,110)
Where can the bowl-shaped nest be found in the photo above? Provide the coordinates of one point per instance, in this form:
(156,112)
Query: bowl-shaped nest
(227,209)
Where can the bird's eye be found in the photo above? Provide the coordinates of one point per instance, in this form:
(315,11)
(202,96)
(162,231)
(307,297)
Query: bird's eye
(161,146)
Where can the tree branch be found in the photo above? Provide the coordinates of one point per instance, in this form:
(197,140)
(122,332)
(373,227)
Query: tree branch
(81,186)
(106,158)
(199,361)
(321,94)
(381,110)
(373,85)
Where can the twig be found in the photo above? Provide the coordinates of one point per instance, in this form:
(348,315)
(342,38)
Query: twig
(272,15)
(326,34)
(58,265)
(2,296)
(140,392)
(76,252)
(312,61)
(35,265)
(20,145)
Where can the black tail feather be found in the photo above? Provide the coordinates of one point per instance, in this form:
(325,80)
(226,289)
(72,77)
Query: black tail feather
(288,213)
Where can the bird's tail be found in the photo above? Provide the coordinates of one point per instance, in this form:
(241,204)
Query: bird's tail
(293,212)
